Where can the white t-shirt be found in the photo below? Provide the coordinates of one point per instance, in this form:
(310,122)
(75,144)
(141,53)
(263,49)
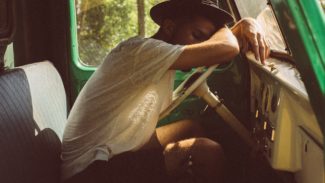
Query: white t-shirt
(118,108)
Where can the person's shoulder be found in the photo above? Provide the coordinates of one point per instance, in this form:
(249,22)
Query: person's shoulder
(129,44)
(138,40)
(135,41)
(138,44)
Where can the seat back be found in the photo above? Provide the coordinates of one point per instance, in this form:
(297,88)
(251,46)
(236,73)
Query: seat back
(32,119)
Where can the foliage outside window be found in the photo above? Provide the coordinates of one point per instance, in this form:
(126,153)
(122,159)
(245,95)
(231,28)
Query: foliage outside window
(102,24)
(9,57)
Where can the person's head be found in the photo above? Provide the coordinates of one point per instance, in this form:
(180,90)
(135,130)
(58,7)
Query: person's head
(188,21)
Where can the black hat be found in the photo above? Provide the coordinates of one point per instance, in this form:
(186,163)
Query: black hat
(208,8)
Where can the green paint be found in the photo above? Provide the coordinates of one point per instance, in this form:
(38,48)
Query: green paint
(79,73)
(302,22)
(74,39)
(310,21)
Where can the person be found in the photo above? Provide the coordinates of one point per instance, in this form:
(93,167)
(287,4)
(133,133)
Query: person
(111,133)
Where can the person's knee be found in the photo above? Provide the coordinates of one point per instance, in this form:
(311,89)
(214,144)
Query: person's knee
(202,154)
(208,160)
(207,151)
(175,156)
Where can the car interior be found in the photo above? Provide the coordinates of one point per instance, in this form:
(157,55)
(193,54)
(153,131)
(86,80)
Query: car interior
(278,108)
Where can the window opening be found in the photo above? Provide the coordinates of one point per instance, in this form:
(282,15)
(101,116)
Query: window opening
(102,24)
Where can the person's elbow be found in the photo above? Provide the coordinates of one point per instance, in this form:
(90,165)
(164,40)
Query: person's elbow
(230,49)
(229,43)
(233,46)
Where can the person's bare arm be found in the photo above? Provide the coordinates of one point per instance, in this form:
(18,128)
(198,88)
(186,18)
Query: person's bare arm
(220,48)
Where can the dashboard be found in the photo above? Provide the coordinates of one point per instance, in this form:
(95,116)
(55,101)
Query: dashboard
(284,125)
(282,121)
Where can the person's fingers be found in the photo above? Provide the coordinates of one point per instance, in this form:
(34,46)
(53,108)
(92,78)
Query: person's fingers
(261,47)
(245,46)
(254,44)
(267,48)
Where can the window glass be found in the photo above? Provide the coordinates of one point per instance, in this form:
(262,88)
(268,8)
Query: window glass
(250,8)
(271,29)
(102,24)
(9,56)
(266,18)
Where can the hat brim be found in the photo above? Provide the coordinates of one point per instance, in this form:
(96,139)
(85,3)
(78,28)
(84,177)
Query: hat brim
(166,9)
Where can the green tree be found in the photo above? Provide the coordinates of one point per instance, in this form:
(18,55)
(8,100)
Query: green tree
(102,24)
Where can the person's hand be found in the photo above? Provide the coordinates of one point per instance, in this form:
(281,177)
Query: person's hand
(251,37)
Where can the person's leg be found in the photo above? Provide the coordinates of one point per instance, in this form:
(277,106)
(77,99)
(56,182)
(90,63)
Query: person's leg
(206,155)
(174,132)
(198,160)
(167,154)
(179,131)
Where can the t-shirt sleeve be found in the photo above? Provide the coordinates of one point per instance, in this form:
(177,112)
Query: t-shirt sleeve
(152,60)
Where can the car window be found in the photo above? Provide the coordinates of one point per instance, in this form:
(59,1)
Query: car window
(271,29)
(101,24)
(266,18)
(9,56)
(250,8)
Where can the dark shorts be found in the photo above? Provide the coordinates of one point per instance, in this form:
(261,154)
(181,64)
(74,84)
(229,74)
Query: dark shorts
(145,166)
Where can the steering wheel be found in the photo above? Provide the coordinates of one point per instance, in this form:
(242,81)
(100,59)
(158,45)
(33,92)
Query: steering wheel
(187,87)
(196,83)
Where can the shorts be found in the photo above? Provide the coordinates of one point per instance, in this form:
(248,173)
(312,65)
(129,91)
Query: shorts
(146,166)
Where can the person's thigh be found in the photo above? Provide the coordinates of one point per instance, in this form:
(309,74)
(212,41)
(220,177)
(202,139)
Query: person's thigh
(174,132)
(179,131)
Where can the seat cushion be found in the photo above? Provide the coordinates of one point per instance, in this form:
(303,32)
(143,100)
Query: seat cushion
(48,96)
(30,129)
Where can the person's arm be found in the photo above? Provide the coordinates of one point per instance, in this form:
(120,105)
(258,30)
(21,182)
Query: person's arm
(250,36)
(220,48)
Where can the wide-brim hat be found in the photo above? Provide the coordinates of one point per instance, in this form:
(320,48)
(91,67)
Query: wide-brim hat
(209,8)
